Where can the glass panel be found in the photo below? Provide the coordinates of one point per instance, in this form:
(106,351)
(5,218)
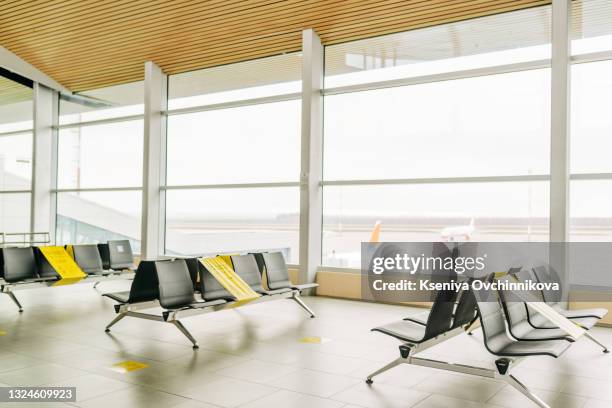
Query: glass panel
(591,29)
(108,155)
(16,162)
(467,127)
(591,122)
(16,106)
(15,212)
(591,210)
(512,37)
(91,217)
(104,103)
(258,78)
(506,211)
(233,220)
(258,143)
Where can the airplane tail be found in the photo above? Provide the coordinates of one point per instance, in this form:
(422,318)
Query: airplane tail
(375,236)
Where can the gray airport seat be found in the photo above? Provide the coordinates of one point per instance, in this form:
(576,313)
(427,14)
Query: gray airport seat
(120,255)
(87,256)
(545,273)
(499,343)
(18,264)
(276,273)
(246,267)
(519,326)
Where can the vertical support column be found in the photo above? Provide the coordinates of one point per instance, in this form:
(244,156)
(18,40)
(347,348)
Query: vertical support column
(560,136)
(312,156)
(559,139)
(44,160)
(154,162)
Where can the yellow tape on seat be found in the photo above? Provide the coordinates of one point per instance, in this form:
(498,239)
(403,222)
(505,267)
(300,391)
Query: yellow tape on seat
(229,279)
(65,266)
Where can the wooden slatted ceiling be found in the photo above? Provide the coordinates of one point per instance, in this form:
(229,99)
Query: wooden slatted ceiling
(88,44)
(12,92)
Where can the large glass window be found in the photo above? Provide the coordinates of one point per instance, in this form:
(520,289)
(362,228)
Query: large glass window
(91,217)
(591,26)
(514,37)
(228,220)
(107,155)
(96,157)
(486,134)
(16,113)
(240,144)
(591,142)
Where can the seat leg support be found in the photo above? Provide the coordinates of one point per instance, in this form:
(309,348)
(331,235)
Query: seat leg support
(300,302)
(115,321)
(184,330)
(14,299)
(594,340)
(519,386)
(394,363)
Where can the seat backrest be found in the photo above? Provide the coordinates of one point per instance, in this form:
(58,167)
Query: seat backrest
(104,256)
(514,309)
(175,286)
(465,312)
(246,267)
(19,264)
(492,319)
(45,270)
(120,254)
(545,274)
(277,274)
(193,265)
(88,258)
(145,286)
(210,288)
(441,314)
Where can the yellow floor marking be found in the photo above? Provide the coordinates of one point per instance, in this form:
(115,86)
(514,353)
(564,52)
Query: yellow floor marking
(314,340)
(128,366)
(2,333)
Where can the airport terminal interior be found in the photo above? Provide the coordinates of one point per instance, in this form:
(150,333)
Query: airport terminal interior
(193,195)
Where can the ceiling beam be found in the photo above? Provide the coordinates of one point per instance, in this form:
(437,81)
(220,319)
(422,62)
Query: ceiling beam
(13,63)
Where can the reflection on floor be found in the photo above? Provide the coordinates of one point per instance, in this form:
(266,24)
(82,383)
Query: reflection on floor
(264,355)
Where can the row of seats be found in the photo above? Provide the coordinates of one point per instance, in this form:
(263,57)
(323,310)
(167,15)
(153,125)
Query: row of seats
(510,330)
(28,264)
(173,284)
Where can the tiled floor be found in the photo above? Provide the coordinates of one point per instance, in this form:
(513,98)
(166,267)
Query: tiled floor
(253,357)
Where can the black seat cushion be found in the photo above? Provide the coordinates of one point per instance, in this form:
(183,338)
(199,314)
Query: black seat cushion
(210,288)
(104,256)
(121,297)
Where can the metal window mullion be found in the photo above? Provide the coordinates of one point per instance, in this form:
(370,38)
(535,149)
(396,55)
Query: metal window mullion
(445,76)
(231,186)
(119,119)
(233,104)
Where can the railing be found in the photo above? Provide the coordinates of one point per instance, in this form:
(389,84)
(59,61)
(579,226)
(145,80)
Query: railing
(24,238)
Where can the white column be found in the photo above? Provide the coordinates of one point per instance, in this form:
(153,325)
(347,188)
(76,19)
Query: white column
(154,163)
(312,156)
(560,141)
(560,117)
(44,169)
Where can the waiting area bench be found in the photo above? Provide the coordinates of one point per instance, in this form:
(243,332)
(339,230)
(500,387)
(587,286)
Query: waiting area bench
(505,330)
(175,285)
(26,267)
